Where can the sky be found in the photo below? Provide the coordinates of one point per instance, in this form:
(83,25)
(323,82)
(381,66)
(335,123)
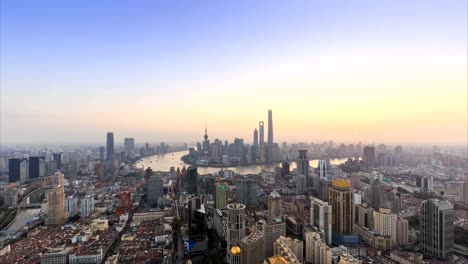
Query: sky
(371,71)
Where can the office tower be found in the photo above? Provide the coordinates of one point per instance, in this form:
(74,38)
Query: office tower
(129,147)
(303,166)
(101,153)
(321,218)
(436,228)
(402,231)
(87,206)
(110,145)
(14,170)
(56,214)
(341,199)
(285,169)
(322,170)
(301,184)
(154,191)
(317,250)
(246,192)
(270,127)
(222,191)
(235,231)
(253,246)
(287,246)
(385,223)
(261,130)
(425,183)
(58,158)
(464,192)
(192,176)
(35,170)
(195,226)
(275,207)
(368,157)
(365,216)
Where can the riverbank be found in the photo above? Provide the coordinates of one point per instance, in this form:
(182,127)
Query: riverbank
(174,160)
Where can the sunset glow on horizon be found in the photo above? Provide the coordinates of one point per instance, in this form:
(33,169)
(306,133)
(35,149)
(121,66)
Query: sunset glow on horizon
(396,74)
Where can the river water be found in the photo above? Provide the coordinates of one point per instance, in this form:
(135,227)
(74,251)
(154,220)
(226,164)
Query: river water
(166,161)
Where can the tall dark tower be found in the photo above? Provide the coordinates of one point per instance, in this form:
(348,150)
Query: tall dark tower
(110,145)
(270,128)
(261,129)
(255,138)
(192,175)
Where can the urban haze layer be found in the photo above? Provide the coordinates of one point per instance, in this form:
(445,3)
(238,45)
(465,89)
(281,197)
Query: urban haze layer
(233,202)
(233,132)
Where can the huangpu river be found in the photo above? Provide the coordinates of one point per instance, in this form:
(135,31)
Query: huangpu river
(166,161)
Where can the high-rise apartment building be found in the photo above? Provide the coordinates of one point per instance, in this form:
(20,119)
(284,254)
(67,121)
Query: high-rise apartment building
(385,223)
(291,247)
(365,216)
(368,157)
(129,147)
(272,231)
(464,192)
(402,231)
(56,214)
(110,145)
(321,218)
(101,153)
(235,232)
(317,250)
(436,228)
(275,207)
(87,206)
(322,170)
(192,178)
(301,184)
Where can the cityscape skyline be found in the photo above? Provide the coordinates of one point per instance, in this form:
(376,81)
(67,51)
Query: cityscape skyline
(396,74)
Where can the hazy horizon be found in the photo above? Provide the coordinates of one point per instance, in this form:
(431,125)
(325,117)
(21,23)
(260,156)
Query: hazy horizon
(392,72)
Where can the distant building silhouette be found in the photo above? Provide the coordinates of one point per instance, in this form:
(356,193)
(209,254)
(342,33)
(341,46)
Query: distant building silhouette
(303,166)
(369,156)
(110,145)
